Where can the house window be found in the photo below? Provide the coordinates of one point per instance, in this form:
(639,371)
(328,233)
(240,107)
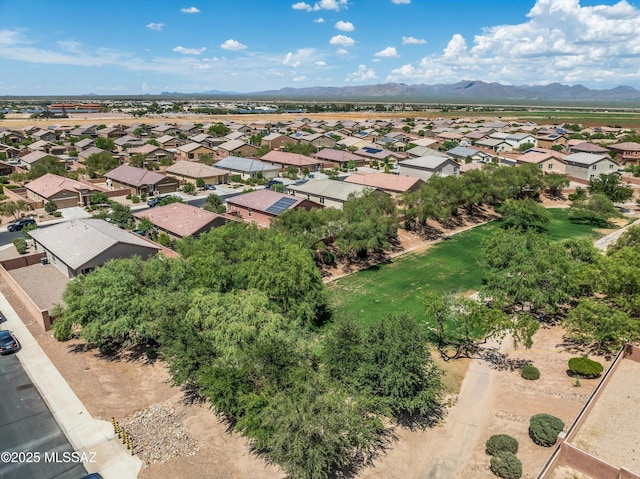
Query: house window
(611,167)
(591,177)
(249,211)
(550,167)
(540,166)
(322,200)
(594,167)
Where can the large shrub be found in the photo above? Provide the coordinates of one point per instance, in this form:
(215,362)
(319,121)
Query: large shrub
(501,443)
(544,429)
(530,372)
(506,465)
(585,367)
(21,245)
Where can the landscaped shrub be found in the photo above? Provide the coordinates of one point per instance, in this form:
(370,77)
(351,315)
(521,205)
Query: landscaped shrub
(506,465)
(544,429)
(135,199)
(21,245)
(57,214)
(585,367)
(501,443)
(530,372)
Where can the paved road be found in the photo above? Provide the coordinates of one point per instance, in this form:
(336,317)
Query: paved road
(26,425)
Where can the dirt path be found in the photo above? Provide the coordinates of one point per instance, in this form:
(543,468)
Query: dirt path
(604,242)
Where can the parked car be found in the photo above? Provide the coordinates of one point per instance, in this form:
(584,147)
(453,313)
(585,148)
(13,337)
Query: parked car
(270,183)
(8,343)
(154,201)
(209,187)
(21,223)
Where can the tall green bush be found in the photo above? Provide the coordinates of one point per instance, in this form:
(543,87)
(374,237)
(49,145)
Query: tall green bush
(585,368)
(506,465)
(544,429)
(21,245)
(501,443)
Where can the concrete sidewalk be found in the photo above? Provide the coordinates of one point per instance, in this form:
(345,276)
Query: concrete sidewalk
(86,435)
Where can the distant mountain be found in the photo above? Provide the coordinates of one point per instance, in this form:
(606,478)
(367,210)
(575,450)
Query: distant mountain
(210,92)
(460,90)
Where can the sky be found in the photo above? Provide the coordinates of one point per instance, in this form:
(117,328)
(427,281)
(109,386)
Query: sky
(73,47)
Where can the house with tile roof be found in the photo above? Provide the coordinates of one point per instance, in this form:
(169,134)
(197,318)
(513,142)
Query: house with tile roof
(587,147)
(192,171)
(236,148)
(180,219)
(276,140)
(339,158)
(547,162)
(387,182)
(151,152)
(262,206)
(330,193)
(140,181)
(587,166)
(193,151)
(425,167)
(79,246)
(248,168)
(64,192)
(285,159)
(27,161)
(627,152)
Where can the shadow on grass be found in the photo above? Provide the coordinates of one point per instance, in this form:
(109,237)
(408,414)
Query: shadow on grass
(145,353)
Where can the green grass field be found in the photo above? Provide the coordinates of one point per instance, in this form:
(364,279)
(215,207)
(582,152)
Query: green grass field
(449,266)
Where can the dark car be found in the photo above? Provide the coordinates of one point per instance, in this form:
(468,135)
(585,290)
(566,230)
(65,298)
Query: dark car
(154,201)
(209,187)
(270,183)
(8,343)
(21,223)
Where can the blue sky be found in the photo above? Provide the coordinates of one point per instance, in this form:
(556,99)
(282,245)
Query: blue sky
(139,46)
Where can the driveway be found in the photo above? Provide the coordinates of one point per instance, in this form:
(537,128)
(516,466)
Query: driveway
(74,213)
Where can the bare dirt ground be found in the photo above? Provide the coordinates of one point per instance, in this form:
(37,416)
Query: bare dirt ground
(610,432)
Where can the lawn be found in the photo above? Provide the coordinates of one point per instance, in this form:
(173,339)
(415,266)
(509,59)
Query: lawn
(449,266)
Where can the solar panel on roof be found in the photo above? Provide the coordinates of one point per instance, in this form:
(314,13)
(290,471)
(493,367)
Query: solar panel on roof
(373,151)
(281,205)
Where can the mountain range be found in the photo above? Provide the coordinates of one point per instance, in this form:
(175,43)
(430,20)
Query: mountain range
(468,90)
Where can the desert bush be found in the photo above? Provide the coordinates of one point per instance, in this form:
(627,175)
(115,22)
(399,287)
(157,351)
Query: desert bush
(501,443)
(57,214)
(585,367)
(135,199)
(530,372)
(506,465)
(21,245)
(544,429)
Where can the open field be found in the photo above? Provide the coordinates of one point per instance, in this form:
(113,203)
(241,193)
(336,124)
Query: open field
(541,116)
(450,266)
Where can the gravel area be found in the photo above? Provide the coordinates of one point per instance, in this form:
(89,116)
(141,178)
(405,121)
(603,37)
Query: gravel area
(43,283)
(158,435)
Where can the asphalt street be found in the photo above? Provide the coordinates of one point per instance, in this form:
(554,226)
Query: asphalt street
(29,435)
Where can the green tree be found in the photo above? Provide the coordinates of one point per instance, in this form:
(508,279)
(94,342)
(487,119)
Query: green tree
(101,163)
(189,188)
(629,238)
(459,325)
(526,146)
(449,145)
(214,204)
(525,270)
(99,198)
(218,129)
(106,144)
(524,214)
(50,207)
(14,208)
(597,209)
(612,187)
(167,200)
(121,215)
(47,164)
(370,223)
(597,324)
(200,182)
(555,182)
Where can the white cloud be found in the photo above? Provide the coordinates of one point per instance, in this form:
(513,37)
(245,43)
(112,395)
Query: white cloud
(342,40)
(190,10)
(413,41)
(299,79)
(559,41)
(155,26)
(233,45)
(189,51)
(302,55)
(320,64)
(321,5)
(401,2)
(345,26)
(342,51)
(319,20)
(202,66)
(362,74)
(389,52)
